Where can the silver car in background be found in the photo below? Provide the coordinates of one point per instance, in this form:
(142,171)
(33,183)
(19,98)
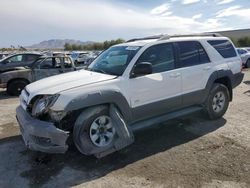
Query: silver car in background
(245,56)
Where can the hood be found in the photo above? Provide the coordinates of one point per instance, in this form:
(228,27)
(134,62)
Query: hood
(66,81)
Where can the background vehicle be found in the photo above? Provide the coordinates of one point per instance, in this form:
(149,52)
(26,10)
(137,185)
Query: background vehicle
(3,55)
(18,60)
(15,80)
(82,58)
(245,56)
(129,87)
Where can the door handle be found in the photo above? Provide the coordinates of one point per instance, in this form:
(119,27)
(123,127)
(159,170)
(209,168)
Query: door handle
(207,68)
(175,75)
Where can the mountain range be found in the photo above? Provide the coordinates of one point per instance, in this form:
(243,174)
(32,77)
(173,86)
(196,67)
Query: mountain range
(56,44)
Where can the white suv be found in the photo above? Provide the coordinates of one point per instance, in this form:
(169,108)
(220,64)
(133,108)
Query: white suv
(128,87)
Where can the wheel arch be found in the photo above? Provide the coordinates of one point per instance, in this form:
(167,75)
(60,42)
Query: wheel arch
(223,77)
(105,97)
(16,79)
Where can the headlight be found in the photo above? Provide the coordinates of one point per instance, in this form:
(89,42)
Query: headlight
(42,105)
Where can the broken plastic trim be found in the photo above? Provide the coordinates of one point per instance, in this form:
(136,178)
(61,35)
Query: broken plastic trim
(40,135)
(124,133)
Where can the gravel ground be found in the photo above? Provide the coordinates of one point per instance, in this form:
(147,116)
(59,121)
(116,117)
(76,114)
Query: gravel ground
(185,152)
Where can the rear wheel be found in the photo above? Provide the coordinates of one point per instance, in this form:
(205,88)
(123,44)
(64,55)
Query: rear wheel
(217,101)
(15,87)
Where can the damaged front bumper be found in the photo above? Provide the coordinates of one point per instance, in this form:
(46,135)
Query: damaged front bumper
(41,135)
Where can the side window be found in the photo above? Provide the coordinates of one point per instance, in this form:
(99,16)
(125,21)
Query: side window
(192,53)
(30,57)
(15,59)
(50,63)
(161,57)
(224,47)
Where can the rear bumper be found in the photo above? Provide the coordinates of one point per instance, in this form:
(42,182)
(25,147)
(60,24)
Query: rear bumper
(237,79)
(40,135)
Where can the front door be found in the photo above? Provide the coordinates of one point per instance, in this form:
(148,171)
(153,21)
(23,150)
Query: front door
(159,92)
(48,67)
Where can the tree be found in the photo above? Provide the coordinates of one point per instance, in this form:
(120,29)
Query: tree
(93,46)
(67,46)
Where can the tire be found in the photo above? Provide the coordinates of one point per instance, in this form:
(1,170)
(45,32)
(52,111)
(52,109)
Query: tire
(83,131)
(217,102)
(248,63)
(15,87)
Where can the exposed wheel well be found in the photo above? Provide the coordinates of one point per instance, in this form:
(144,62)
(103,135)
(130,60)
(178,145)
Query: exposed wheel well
(15,79)
(226,82)
(68,121)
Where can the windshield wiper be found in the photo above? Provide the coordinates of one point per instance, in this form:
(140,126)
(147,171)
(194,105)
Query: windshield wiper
(100,71)
(96,70)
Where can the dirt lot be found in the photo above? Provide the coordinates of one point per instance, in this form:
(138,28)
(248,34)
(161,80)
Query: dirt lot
(186,152)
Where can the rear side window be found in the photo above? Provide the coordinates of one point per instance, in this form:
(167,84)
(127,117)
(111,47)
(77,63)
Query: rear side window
(50,63)
(192,53)
(224,47)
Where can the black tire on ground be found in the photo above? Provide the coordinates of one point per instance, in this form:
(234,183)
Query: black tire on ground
(217,102)
(81,132)
(248,63)
(15,87)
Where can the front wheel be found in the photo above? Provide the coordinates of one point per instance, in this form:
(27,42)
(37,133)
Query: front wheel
(218,101)
(94,131)
(15,87)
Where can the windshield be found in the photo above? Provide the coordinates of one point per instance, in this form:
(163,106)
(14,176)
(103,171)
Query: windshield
(114,61)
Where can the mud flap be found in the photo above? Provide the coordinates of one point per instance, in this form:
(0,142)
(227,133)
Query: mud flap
(124,135)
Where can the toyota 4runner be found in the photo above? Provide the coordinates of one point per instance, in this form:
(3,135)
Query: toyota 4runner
(129,87)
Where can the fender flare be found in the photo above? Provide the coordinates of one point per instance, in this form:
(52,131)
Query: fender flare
(217,75)
(102,97)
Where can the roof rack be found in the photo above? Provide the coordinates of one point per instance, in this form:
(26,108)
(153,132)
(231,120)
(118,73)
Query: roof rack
(146,38)
(197,35)
(166,36)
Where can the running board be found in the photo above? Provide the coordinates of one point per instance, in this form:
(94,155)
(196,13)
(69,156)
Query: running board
(150,122)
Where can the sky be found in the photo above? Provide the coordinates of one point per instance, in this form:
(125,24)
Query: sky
(25,22)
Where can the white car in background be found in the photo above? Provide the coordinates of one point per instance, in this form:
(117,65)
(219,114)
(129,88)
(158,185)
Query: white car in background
(82,57)
(245,56)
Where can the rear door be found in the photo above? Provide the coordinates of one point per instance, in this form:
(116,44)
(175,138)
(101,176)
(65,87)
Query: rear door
(196,68)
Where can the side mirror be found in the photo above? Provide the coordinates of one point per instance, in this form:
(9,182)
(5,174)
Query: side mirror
(141,69)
